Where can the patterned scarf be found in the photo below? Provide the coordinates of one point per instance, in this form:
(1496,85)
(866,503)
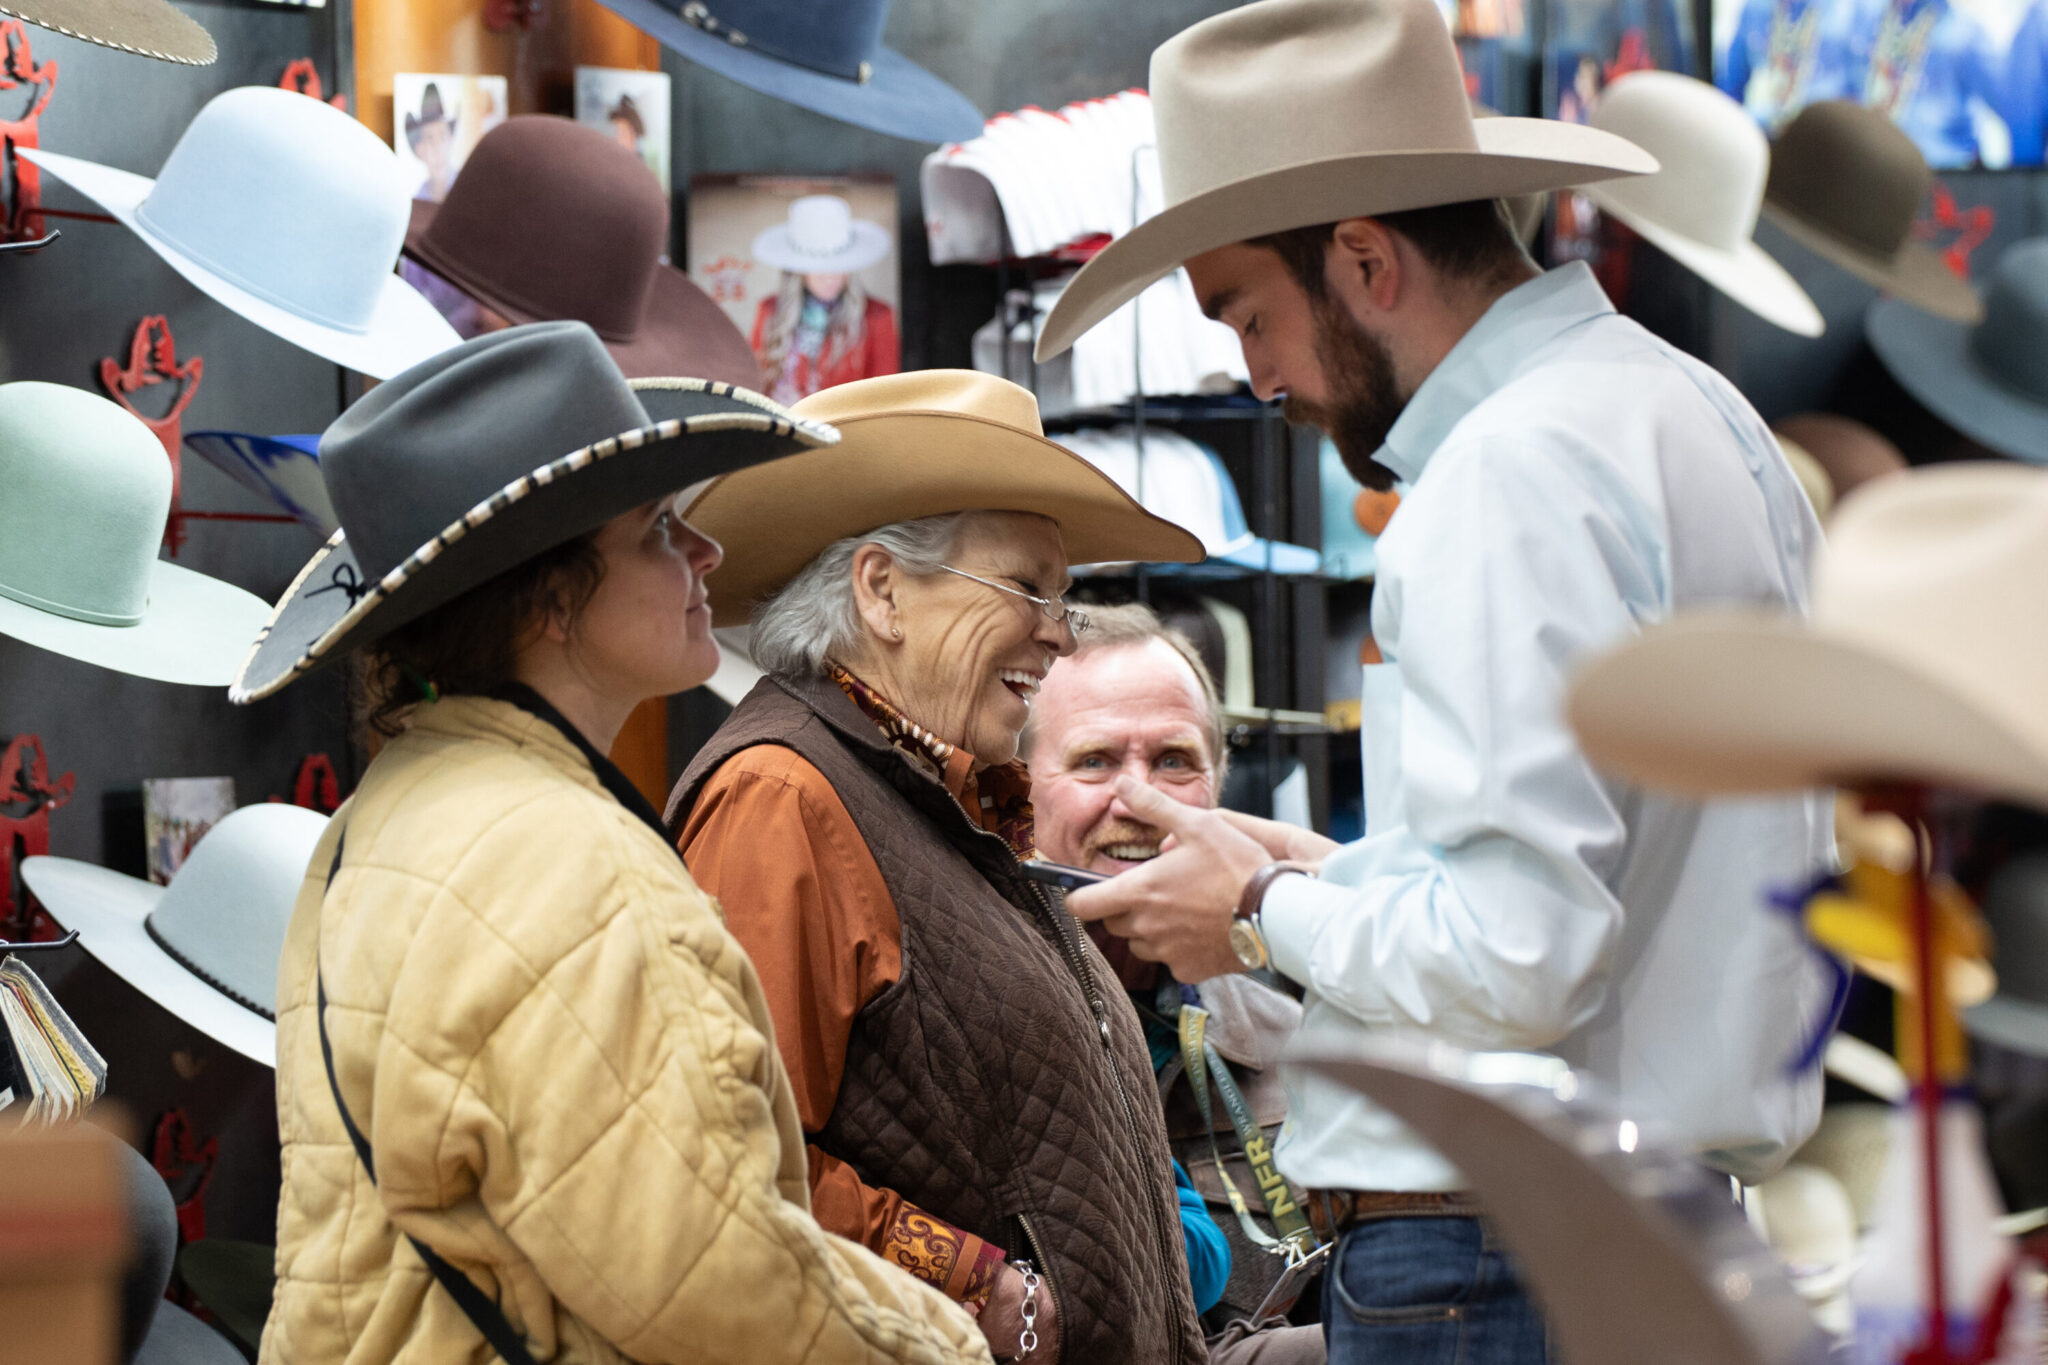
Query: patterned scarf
(998,798)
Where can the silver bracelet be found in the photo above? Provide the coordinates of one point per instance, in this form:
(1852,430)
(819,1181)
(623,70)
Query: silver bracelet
(1027,1340)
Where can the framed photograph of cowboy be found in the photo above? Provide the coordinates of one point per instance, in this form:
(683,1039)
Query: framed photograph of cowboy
(631,107)
(436,120)
(1968,82)
(807,268)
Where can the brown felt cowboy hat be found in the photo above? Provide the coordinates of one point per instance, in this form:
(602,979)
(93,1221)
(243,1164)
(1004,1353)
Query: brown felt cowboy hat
(1845,182)
(913,445)
(552,221)
(1288,113)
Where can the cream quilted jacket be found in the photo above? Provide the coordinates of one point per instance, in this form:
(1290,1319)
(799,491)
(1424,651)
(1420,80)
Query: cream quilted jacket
(565,1069)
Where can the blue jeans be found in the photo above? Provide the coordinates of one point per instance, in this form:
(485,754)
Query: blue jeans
(1428,1291)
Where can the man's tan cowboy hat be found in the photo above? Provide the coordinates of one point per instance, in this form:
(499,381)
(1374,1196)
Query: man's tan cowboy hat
(913,445)
(1289,113)
(1846,183)
(1701,208)
(1926,657)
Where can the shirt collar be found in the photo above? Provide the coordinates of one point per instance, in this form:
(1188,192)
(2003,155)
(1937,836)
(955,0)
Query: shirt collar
(1519,322)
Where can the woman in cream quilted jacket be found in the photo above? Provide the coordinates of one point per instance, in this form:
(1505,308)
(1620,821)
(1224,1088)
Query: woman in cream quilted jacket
(531,1104)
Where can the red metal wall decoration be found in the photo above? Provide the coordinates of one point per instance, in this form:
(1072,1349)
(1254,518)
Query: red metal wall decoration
(1970,227)
(27,796)
(21,204)
(153,359)
(304,77)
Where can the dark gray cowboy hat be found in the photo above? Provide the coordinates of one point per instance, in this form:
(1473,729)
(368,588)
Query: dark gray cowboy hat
(1846,183)
(482,457)
(1989,382)
(2016,909)
(827,58)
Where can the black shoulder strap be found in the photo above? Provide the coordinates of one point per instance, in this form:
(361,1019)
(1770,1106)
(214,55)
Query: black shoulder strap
(488,1317)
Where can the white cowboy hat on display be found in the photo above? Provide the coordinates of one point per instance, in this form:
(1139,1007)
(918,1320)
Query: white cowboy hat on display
(1925,659)
(822,237)
(1701,207)
(1288,113)
(289,212)
(206,946)
(85,492)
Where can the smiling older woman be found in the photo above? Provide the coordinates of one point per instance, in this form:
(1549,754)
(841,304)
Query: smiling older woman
(975,1088)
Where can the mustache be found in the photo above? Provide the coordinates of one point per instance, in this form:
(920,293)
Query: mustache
(1126,832)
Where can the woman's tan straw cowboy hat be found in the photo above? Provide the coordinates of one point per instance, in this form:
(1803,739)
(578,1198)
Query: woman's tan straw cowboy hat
(914,445)
(1926,657)
(1287,113)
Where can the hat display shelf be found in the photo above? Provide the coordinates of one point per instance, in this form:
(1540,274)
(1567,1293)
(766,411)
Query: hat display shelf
(1275,599)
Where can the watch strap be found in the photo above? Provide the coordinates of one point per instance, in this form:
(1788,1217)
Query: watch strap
(1253,896)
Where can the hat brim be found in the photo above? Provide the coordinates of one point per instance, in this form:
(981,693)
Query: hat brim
(108,909)
(147,28)
(332,608)
(2020,1025)
(177,1337)
(899,97)
(867,244)
(682,332)
(284,469)
(1747,274)
(1514,156)
(1915,273)
(1930,357)
(900,466)
(195,630)
(1730,702)
(404,328)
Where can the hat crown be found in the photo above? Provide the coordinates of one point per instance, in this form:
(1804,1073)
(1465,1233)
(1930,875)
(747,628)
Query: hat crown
(419,452)
(288,198)
(964,393)
(226,910)
(1285,82)
(2016,911)
(2012,341)
(88,493)
(557,219)
(838,39)
(1850,171)
(820,224)
(1713,157)
(1941,568)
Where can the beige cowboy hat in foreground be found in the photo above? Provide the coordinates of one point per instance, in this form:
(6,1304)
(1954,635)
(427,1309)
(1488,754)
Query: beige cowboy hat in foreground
(1288,113)
(1926,657)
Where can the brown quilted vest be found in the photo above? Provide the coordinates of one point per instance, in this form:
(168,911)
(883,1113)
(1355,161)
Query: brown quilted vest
(999,1084)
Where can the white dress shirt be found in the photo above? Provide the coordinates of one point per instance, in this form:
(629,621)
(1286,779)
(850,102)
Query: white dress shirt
(1574,480)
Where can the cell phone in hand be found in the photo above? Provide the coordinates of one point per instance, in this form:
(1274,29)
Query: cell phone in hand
(1064,877)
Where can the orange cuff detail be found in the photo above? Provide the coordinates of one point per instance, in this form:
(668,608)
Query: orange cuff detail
(957,1263)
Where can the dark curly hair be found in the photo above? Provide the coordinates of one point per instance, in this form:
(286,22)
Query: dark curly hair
(471,644)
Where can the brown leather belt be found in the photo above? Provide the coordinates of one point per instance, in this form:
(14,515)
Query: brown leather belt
(1334,1212)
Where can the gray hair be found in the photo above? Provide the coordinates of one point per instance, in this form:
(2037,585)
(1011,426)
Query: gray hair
(815,618)
(1132,624)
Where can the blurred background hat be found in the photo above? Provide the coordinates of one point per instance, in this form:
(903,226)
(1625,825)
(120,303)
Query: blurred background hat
(148,28)
(822,237)
(284,469)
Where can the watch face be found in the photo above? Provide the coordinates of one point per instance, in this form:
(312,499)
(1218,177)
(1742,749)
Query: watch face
(1248,944)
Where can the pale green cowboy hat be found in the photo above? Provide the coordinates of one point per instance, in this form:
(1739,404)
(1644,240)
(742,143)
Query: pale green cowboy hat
(85,492)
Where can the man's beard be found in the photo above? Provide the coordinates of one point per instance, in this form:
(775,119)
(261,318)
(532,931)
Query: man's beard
(1364,404)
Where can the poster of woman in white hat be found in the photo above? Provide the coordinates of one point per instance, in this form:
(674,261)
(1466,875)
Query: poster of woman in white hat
(437,119)
(807,268)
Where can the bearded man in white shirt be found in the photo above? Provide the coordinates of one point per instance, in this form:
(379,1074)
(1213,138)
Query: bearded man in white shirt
(1571,480)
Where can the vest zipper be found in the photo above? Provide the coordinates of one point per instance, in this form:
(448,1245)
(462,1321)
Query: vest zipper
(1077,961)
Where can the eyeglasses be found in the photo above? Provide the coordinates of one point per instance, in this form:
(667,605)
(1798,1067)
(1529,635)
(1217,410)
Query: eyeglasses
(1054,609)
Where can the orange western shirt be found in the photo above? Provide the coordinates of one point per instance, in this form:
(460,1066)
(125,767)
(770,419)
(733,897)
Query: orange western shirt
(770,838)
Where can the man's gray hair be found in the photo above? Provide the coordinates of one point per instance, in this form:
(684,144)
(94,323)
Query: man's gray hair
(1134,623)
(815,618)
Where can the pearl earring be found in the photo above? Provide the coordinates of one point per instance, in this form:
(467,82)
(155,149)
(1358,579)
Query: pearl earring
(896,631)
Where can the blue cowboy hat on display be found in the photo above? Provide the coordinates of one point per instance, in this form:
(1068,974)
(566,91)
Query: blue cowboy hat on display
(825,58)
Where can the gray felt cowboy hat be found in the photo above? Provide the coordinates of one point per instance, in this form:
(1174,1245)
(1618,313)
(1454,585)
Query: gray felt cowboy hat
(1288,113)
(147,28)
(1990,381)
(473,462)
(1846,183)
